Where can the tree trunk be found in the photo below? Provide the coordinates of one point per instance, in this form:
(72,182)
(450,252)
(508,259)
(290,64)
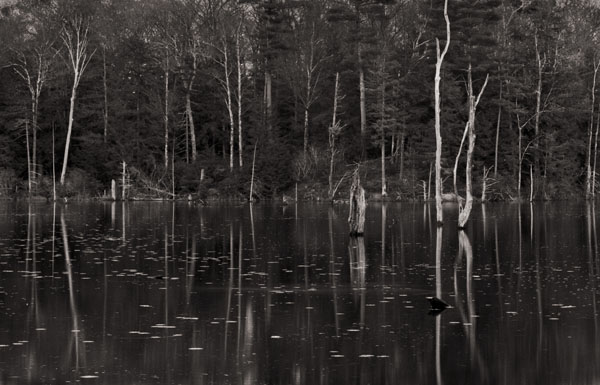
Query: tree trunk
(191,126)
(334,130)
(28,158)
(229,106)
(251,198)
(520,174)
(105,89)
(455,170)
(69,131)
(239,99)
(382,127)
(402,156)
(588,181)
(166,117)
(497,133)
(305,140)
(465,212)
(34,126)
(358,205)
(595,155)
(438,135)
(362,90)
(538,106)
(268,103)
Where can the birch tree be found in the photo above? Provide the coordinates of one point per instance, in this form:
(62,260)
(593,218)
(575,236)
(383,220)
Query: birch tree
(74,35)
(305,63)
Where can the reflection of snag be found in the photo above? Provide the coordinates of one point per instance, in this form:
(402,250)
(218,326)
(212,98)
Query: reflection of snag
(358,205)
(358,262)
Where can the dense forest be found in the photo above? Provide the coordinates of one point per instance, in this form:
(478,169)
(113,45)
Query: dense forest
(215,98)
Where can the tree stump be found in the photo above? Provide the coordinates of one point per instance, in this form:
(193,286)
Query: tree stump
(358,205)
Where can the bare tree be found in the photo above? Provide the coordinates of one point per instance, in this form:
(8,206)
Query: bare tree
(334,131)
(33,69)
(74,35)
(438,135)
(465,212)
(588,179)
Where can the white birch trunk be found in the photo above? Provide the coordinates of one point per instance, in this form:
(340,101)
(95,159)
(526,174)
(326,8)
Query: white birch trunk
(228,101)
(239,99)
(538,105)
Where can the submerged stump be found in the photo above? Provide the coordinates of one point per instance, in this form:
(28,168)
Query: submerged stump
(358,205)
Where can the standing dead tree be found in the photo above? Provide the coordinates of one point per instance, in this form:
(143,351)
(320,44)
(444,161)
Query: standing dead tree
(465,212)
(334,131)
(74,35)
(358,205)
(438,135)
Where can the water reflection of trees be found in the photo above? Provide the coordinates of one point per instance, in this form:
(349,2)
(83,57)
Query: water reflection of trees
(224,266)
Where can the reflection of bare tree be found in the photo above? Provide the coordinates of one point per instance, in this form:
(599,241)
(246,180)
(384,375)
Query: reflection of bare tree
(76,335)
(33,316)
(469,318)
(592,246)
(438,293)
(333,272)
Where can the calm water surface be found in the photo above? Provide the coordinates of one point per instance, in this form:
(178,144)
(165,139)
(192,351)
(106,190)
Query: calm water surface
(156,293)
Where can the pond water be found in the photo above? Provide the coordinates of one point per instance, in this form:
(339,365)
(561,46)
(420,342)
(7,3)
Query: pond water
(161,293)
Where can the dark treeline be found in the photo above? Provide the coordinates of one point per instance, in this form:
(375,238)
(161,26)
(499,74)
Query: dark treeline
(184,96)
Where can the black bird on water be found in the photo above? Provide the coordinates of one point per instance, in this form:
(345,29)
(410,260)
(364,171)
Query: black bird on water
(437,304)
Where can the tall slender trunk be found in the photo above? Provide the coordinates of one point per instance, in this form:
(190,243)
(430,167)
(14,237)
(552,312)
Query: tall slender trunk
(166,116)
(438,135)
(382,127)
(268,103)
(191,126)
(239,99)
(34,126)
(28,158)
(305,140)
(363,108)
(465,212)
(498,132)
(402,155)
(229,106)
(333,132)
(69,130)
(520,173)
(588,188)
(595,155)
(538,106)
(105,89)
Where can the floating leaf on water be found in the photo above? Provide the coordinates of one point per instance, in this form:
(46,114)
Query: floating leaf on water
(276,337)
(383,356)
(40,329)
(88,342)
(366,356)
(194,348)
(337,355)
(89,376)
